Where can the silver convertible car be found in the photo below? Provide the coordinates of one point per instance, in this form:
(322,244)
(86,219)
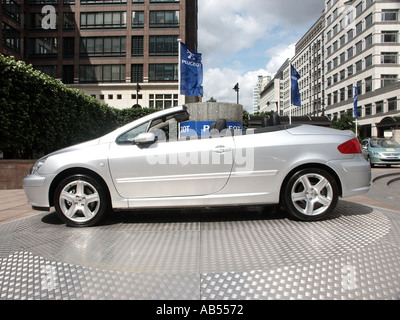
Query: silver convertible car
(149,163)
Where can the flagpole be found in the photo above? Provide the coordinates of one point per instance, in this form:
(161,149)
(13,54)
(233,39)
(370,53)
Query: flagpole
(355,107)
(179,68)
(290,92)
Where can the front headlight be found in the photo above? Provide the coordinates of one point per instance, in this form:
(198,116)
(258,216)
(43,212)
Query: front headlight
(376,154)
(37,165)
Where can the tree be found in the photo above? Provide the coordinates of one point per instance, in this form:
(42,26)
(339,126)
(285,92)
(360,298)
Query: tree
(345,122)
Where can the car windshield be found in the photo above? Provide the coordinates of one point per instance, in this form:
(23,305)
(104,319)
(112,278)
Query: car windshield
(384,143)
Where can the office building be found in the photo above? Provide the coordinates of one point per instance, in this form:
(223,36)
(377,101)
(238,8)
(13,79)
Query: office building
(272,94)
(123,52)
(362,47)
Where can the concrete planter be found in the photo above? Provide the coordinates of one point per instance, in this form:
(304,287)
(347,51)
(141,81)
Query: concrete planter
(12,172)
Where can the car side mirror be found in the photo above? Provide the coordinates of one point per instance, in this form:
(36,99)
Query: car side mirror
(144,138)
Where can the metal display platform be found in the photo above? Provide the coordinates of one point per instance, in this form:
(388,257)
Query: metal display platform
(209,254)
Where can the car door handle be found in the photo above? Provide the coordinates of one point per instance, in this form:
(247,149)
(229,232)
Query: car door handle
(221,149)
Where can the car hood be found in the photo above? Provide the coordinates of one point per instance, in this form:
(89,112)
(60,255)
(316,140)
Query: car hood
(76,147)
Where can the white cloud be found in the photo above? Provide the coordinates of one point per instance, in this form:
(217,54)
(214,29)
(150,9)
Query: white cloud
(278,56)
(229,28)
(219,82)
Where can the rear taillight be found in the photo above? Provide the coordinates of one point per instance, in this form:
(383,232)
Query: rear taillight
(350,147)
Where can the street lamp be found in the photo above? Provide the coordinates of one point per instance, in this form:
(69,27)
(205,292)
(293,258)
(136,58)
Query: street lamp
(137,96)
(236,88)
(137,92)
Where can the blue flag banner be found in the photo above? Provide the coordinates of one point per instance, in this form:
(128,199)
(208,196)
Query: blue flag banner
(355,101)
(295,91)
(191,77)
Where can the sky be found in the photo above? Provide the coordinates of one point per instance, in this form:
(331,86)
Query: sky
(242,39)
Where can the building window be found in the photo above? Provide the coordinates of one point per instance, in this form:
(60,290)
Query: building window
(389,57)
(11,9)
(163,72)
(68,21)
(390,15)
(11,37)
(359,65)
(368,109)
(137,19)
(368,41)
(115,19)
(368,21)
(368,61)
(164,19)
(392,104)
(67,74)
(102,1)
(350,70)
(68,47)
(35,21)
(49,70)
(350,35)
(359,9)
(350,92)
(368,84)
(342,40)
(360,87)
(359,28)
(163,45)
(350,53)
(102,73)
(163,101)
(379,107)
(358,47)
(43,47)
(102,46)
(388,79)
(389,36)
(342,74)
(139,96)
(41,2)
(158,1)
(342,57)
(137,46)
(342,94)
(137,73)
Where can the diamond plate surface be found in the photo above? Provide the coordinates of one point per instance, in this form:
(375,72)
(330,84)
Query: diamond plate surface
(242,253)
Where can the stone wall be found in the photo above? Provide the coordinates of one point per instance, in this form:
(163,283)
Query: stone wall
(12,172)
(212,111)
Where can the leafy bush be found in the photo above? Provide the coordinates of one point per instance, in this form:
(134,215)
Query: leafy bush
(39,114)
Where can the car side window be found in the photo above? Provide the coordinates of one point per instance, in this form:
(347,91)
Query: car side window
(365,144)
(127,137)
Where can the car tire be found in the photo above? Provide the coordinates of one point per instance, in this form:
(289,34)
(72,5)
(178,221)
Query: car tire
(370,163)
(310,194)
(81,201)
